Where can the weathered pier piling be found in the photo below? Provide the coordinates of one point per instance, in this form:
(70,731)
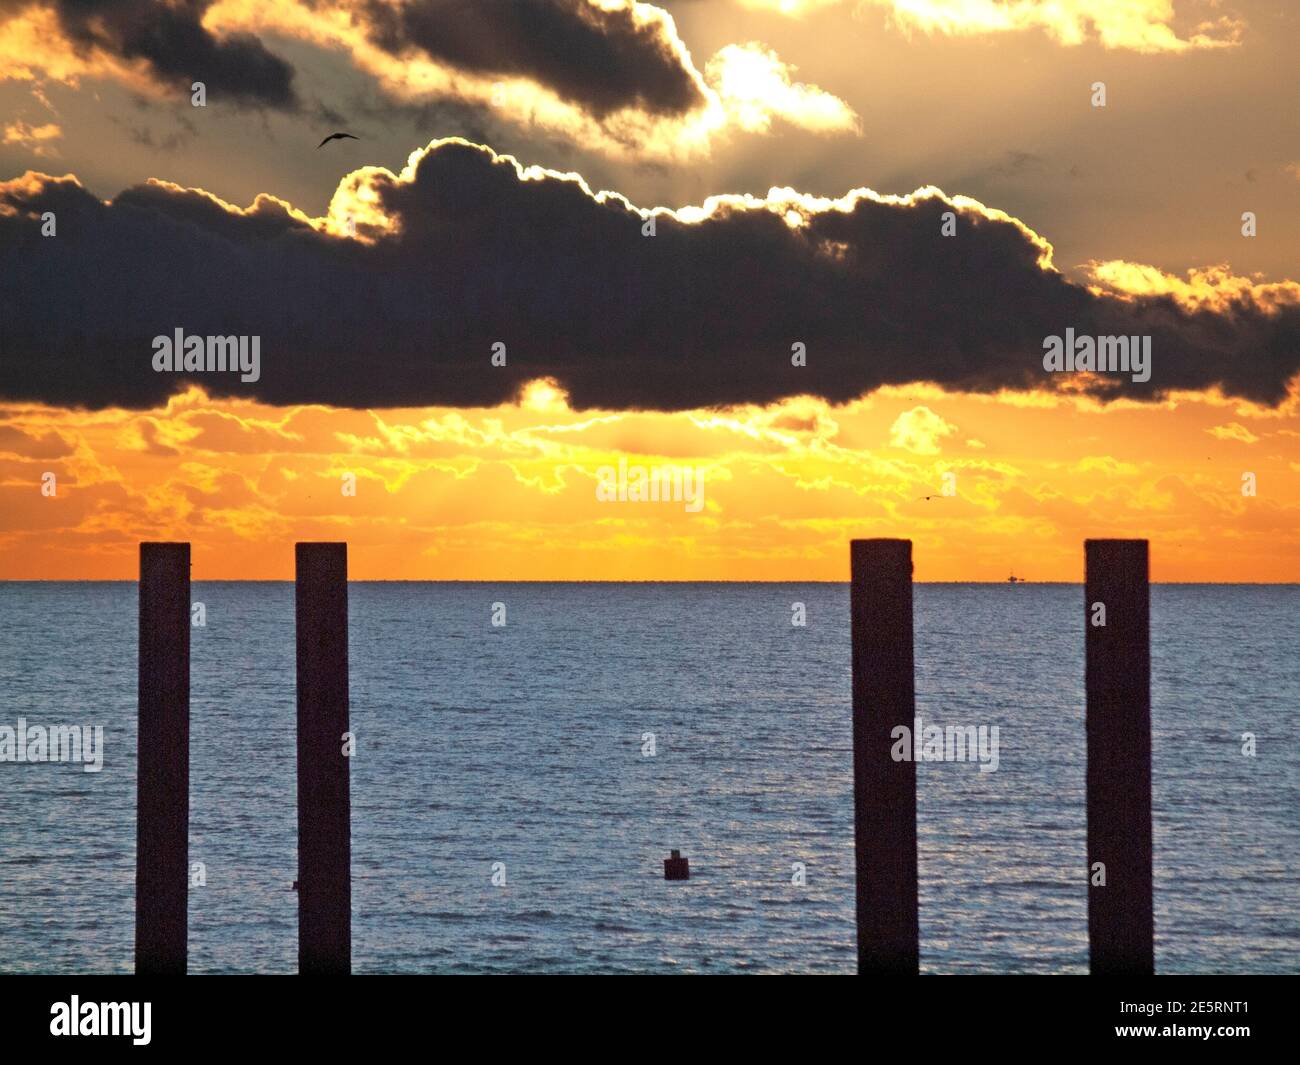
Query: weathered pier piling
(1118,684)
(1117,601)
(324,805)
(884,791)
(163,761)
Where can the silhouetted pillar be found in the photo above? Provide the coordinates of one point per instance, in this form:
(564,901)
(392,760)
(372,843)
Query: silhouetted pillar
(1121,928)
(163,761)
(884,790)
(324,808)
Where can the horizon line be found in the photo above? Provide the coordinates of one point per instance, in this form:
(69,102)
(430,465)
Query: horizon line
(514,580)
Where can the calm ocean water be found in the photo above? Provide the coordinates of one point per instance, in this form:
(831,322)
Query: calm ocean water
(523,745)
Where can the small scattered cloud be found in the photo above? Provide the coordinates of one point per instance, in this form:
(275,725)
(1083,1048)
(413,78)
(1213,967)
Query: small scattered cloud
(1145,26)
(39,140)
(1233,431)
(755,87)
(1106,464)
(920,430)
(1214,288)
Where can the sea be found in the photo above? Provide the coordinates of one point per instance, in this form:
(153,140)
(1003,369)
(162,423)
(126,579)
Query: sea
(515,787)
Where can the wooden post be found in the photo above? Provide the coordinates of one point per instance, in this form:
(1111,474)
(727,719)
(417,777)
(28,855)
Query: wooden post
(324,808)
(1121,926)
(884,790)
(163,761)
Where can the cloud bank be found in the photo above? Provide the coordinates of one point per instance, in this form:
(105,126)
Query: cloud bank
(466,249)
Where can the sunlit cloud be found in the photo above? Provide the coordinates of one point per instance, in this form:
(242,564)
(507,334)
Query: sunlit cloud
(39,140)
(920,430)
(1213,288)
(755,87)
(153,47)
(1233,431)
(1134,25)
(743,88)
(32,47)
(621,82)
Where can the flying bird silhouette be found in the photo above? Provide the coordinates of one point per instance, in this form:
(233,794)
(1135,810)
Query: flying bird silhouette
(335,137)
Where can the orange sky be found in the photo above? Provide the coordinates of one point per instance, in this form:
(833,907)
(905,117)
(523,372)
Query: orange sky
(985,100)
(510,493)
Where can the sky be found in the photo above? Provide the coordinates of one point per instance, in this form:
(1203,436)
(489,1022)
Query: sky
(808,255)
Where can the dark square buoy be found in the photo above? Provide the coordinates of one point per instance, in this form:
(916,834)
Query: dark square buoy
(677,867)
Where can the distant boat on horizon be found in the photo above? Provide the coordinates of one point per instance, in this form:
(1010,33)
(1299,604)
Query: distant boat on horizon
(1013,579)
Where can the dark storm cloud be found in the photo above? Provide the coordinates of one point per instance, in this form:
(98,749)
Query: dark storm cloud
(697,315)
(601,60)
(170,39)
